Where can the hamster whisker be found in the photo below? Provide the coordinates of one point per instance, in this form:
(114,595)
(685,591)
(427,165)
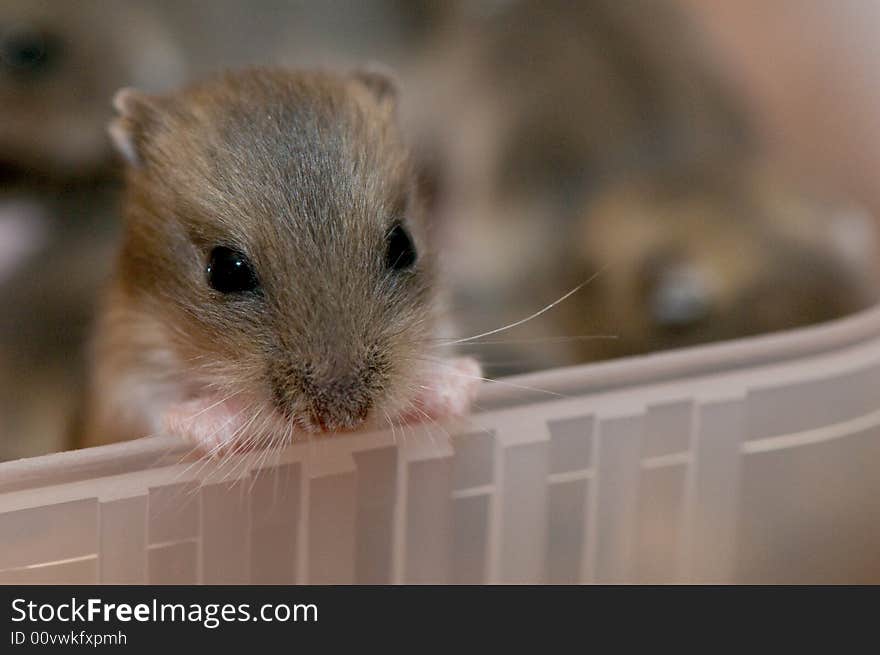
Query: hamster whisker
(582,337)
(492,380)
(252,439)
(431,421)
(206,458)
(213,405)
(265,445)
(276,448)
(390,426)
(192,451)
(535,315)
(257,468)
(275,451)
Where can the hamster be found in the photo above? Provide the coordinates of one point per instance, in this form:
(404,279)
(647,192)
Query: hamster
(276,278)
(58,63)
(597,139)
(722,252)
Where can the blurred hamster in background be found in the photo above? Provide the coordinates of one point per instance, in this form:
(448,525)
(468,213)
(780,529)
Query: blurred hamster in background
(60,62)
(573,140)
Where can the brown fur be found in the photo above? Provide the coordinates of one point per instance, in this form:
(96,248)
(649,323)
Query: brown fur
(305,173)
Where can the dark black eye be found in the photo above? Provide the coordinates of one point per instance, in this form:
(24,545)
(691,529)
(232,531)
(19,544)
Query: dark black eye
(230,271)
(28,51)
(401,253)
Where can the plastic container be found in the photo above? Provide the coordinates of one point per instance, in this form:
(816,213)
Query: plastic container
(749,461)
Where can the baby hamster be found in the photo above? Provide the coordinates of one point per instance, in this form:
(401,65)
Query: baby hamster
(58,63)
(275,276)
(722,252)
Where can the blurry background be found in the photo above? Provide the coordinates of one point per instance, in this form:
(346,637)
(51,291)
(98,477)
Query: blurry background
(708,165)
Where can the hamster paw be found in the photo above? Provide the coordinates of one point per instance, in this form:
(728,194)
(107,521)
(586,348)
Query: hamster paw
(448,392)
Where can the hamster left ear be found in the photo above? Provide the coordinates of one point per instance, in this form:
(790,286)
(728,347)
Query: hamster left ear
(381,82)
(137,118)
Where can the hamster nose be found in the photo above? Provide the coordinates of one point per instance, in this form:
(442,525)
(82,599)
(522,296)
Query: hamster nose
(343,414)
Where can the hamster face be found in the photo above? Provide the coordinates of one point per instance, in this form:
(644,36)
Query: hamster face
(709,257)
(274,233)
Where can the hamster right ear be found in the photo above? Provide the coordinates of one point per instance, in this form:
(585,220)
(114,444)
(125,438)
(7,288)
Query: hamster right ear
(138,115)
(381,83)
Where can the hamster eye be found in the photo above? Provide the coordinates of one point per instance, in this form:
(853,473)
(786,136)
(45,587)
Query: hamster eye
(28,51)
(680,298)
(401,252)
(230,271)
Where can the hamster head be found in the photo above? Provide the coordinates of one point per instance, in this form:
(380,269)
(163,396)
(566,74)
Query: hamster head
(714,254)
(58,63)
(275,237)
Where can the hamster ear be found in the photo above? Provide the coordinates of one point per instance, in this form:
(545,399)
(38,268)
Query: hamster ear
(138,114)
(381,82)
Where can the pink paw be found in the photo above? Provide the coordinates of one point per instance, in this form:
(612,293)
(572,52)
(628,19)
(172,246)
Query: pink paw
(449,391)
(213,425)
